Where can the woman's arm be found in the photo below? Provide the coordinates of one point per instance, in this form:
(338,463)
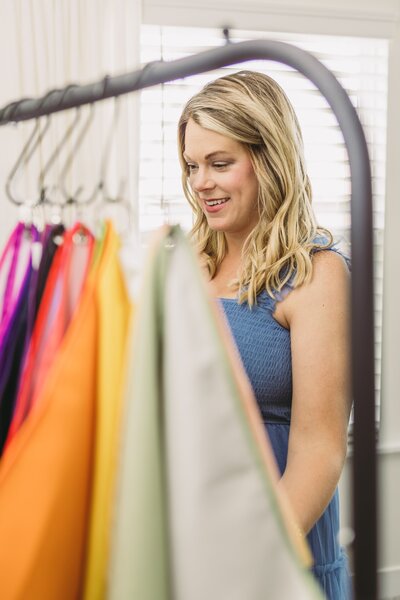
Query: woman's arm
(318,317)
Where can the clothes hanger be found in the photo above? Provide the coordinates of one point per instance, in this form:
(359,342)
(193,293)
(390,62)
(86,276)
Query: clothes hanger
(23,159)
(111,136)
(46,191)
(120,198)
(74,198)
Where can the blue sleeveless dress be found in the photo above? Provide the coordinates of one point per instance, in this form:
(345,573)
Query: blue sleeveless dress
(264,347)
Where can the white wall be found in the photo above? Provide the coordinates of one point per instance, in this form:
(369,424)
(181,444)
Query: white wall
(45,45)
(346,17)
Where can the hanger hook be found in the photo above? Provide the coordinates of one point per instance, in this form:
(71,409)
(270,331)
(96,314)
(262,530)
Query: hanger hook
(43,189)
(23,159)
(106,156)
(44,197)
(227,35)
(71,198)
(120,197)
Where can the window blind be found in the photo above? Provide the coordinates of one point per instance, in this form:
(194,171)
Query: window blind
(361,66)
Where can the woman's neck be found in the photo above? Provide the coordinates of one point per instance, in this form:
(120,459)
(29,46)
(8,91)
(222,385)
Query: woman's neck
(234,247)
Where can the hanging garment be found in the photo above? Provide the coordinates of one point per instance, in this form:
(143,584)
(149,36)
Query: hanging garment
(46,471)
(7,273)
(114,309)
(15,307)
(198,513)
(15,266)
(60,297)
(51,239)
(6,260)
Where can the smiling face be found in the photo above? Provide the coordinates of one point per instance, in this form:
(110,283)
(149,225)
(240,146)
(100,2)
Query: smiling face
(222,177)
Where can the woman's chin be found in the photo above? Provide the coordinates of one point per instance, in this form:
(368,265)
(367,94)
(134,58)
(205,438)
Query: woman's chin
(215,225)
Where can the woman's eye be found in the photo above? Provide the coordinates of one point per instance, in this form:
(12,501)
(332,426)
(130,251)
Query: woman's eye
(191,167)
(220,165)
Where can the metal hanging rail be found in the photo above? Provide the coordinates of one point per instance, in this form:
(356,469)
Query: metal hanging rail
(362,316)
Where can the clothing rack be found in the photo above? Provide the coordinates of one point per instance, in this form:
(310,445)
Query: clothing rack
(362,316)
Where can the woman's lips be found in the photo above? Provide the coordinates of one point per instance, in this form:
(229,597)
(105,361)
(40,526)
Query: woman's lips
(213,208)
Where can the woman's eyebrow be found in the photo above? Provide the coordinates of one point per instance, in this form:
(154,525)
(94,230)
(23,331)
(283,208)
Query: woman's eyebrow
(208,156)
(217,152)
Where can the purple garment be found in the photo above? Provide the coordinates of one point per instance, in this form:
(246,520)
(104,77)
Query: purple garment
(10,360)
(12,248)
(20,325)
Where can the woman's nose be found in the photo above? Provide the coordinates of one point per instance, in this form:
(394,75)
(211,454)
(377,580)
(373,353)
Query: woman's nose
(202,181)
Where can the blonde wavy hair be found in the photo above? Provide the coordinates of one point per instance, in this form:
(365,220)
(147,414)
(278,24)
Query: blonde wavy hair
(252,109)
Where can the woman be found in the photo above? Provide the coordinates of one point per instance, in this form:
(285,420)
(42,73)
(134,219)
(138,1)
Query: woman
(283,287)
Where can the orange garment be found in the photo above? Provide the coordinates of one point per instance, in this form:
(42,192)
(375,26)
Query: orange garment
(46,471)
(61,295)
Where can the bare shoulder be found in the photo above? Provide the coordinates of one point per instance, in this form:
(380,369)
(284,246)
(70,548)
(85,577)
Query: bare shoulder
(327,291)
(329,270)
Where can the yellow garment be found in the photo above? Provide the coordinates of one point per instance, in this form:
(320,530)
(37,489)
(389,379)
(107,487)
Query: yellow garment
(113,326)
(46,472)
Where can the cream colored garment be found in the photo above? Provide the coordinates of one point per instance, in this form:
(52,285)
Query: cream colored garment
(223,529)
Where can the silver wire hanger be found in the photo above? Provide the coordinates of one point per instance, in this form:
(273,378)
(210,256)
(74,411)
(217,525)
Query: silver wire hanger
(106,196)
(23,159)
(45,196)
(74,198)
(120,199)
